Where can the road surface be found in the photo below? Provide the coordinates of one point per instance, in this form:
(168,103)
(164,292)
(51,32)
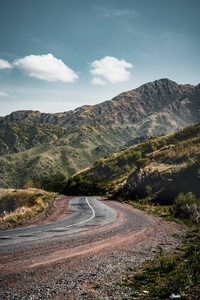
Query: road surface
(84,253)
(87,212)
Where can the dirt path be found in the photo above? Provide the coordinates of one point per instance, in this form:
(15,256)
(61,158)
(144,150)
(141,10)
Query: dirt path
(86,263)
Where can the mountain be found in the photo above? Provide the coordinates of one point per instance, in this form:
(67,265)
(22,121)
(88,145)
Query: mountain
(159,168)
(156,108)
(127,108)
(38,147)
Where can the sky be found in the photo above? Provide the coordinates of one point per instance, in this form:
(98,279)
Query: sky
(57,55)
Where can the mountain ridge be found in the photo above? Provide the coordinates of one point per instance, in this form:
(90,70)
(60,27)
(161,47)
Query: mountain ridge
(162,90)
(81,136)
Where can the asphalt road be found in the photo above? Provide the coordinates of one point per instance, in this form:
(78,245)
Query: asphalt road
(86,262)
(87,212)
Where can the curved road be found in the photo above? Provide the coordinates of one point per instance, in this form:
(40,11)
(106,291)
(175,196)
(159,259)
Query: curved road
(67,258)
(87,213)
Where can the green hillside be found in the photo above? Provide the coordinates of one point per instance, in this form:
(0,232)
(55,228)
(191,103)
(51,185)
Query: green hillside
(43,150)
(160,168)
(46,155)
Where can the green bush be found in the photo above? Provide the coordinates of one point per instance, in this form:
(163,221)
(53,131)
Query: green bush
(187,206)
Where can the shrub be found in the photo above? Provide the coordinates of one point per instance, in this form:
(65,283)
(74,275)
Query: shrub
(52,183)
(142,162)
(187,206)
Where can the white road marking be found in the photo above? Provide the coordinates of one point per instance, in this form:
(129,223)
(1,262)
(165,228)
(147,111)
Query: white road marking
(93,215)
(39,232)
(107,215)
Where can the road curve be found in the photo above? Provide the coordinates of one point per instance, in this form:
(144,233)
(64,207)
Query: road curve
(85,260)
(86,213)
(70,237)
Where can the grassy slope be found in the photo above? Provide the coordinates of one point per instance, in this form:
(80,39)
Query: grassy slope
(142,170)
(44,152)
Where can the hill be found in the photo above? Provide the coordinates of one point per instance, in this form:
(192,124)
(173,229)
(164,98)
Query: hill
(159,168)
(41,149)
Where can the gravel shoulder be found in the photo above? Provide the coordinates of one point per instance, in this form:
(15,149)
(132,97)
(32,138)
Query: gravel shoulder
(85,265)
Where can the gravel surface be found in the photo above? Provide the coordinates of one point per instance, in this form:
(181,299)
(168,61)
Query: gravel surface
(86,265)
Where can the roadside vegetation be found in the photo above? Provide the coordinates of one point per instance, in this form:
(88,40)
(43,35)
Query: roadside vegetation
(20,206)
(173,273)
(177,272)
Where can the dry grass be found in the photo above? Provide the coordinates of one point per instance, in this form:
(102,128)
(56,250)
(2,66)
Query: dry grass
(30,210)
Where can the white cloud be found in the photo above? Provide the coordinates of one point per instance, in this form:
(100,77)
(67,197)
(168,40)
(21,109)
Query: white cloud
(45,67)
(3,94)
(4,64)
(110,69)
(98,80)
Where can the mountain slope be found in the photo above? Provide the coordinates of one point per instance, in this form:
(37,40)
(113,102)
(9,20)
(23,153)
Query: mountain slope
(160,168)
(89,132)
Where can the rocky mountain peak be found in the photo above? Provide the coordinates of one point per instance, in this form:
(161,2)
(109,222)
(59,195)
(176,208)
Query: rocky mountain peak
(162,86)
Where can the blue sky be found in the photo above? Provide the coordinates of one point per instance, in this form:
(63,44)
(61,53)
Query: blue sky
(56,55)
